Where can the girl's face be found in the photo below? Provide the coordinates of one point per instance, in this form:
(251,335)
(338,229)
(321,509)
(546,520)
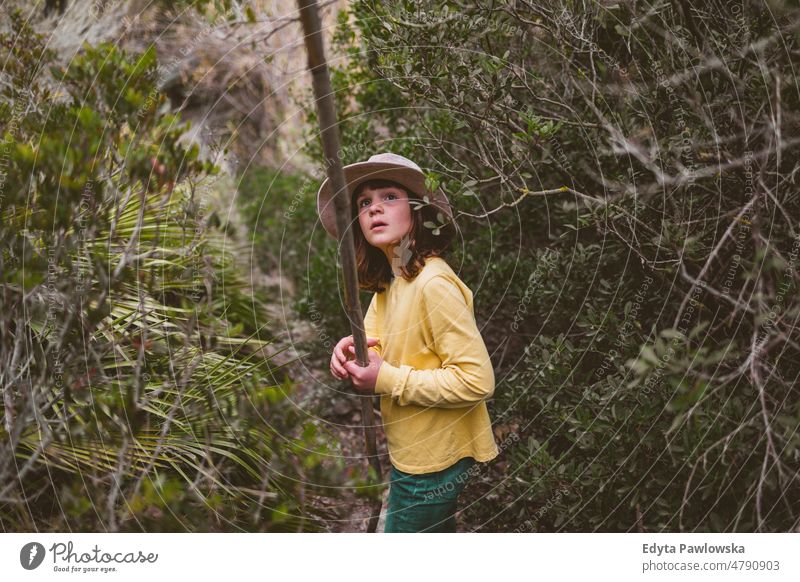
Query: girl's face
(384,215)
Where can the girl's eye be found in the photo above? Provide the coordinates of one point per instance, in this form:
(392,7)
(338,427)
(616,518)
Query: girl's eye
(388,197)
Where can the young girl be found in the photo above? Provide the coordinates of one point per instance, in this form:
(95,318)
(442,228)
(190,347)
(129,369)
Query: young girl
(427,359)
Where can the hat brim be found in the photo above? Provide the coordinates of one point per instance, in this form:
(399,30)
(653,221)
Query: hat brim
(355,174)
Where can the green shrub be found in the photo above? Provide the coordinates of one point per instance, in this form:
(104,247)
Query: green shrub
(138,392)
(648,370)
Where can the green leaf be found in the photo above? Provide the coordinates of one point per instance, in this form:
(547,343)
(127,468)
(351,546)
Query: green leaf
(647,354)
(676,422)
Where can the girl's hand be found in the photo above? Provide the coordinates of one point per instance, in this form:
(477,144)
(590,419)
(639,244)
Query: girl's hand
(344,351)
(364,378)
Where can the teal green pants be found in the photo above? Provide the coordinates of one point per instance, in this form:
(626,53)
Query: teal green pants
(426,502)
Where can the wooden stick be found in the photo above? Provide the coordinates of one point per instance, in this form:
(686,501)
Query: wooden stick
(329,130)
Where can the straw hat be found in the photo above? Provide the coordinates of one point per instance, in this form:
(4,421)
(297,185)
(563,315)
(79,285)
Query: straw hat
(386,166)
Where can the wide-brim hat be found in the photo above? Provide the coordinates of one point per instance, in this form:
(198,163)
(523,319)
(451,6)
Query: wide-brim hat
(386,166)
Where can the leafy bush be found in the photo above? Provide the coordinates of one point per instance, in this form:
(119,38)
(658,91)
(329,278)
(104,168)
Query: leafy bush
(280,210)
(629,237)
(138,391)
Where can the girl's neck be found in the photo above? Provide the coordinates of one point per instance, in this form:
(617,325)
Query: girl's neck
(398,254)
(396,269)
(396,266)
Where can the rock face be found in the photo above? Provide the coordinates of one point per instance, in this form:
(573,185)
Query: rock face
(239,82)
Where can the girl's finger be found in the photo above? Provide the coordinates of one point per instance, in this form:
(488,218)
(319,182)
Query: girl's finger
(347,366)
(342,345)
(337,367)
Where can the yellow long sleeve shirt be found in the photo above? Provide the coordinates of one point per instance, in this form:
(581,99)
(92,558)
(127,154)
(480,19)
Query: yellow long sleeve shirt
(436,373)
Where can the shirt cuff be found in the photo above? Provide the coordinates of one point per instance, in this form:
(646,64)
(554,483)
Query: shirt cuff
(390,378)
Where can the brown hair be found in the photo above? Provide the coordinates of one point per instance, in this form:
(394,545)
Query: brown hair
(374,271)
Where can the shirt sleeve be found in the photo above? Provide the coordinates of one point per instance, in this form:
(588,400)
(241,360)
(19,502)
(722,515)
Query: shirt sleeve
(466,376)
(371,327)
